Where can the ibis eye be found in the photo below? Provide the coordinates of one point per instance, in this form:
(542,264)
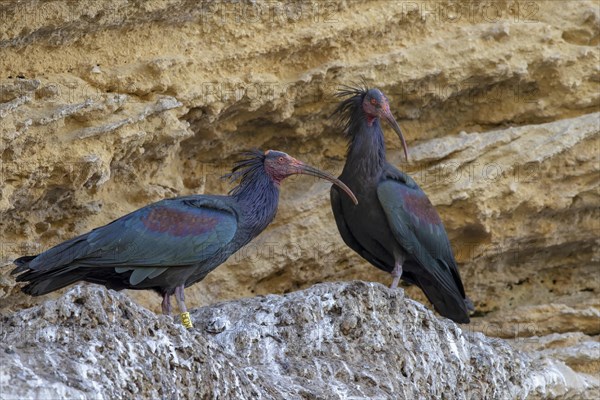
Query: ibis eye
(373,101)
(280,159)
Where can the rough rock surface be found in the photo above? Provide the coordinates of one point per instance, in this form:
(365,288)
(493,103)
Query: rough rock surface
(331,341)
(106,106)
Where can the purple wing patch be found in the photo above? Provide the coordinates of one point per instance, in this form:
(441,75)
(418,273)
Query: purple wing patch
(178,222)
(420,206)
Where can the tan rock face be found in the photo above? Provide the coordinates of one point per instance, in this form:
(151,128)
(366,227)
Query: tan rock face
(108,106)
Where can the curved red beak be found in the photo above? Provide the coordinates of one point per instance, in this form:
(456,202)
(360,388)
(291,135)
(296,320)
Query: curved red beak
(387,115)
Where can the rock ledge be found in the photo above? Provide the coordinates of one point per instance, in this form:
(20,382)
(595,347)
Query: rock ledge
(333,340)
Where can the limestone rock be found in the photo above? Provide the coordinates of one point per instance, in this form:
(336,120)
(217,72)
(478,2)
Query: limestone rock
(330,341)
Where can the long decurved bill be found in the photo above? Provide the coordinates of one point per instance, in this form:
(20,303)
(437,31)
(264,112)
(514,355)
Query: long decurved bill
(392,121)
(308,170)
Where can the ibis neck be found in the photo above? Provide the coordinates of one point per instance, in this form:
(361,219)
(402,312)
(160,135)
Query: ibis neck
(366,152)
(258,200)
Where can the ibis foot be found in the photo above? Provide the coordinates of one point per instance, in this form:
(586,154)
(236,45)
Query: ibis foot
(166,304)
(185,315)
(396,273)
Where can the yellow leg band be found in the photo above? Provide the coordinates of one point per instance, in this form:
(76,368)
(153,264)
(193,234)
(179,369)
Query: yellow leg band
(186,320)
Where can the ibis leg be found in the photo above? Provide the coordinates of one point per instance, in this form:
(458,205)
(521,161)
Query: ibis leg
(166,304)
(185,315)
(396,273)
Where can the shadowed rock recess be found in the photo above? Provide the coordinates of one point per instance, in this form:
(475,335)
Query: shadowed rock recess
(108,105)
(331,341)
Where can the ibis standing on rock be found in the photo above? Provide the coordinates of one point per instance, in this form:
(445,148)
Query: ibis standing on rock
(394,226)
(171,244)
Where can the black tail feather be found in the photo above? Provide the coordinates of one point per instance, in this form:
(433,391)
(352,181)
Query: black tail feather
(22,264)
(40,287)
(449,305)
(45,281)
(24,260)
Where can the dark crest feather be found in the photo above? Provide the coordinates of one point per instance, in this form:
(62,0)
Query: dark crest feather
(245,169)
(350,105)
